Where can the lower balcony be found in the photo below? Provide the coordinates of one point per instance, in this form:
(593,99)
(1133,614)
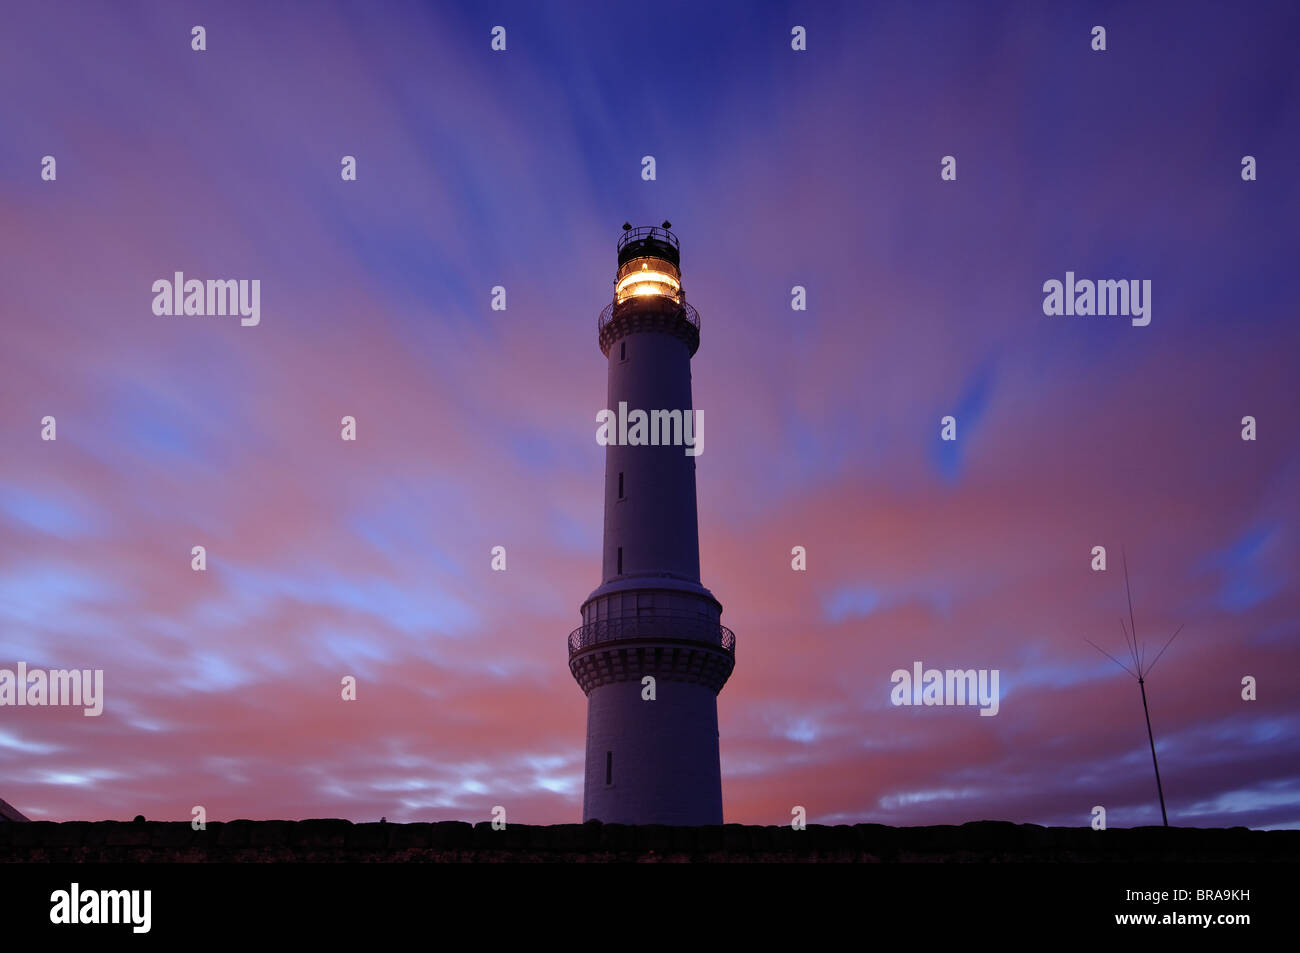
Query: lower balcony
(657,628)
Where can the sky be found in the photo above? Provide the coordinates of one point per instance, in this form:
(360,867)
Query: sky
(475,428)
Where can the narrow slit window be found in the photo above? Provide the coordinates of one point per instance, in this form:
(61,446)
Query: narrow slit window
(622,350)
(620,486)
(609,767)
(620,560)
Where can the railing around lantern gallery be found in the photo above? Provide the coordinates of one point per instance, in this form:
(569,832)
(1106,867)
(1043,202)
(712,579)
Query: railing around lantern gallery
(648,231)
(607,314)
(674,626)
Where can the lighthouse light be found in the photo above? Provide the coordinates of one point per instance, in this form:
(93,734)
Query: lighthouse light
(648,276)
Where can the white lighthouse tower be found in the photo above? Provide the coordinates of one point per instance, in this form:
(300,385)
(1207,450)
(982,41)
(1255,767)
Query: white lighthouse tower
(651,761)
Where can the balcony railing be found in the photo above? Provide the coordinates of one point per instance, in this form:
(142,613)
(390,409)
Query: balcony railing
(680,627)
(607,314)
(648,231)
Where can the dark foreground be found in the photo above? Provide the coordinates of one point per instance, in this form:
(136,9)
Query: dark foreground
(456,842)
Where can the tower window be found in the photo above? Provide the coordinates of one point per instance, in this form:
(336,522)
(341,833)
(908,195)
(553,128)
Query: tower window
(609,767)
(620,560)
(620,486)
(622,350)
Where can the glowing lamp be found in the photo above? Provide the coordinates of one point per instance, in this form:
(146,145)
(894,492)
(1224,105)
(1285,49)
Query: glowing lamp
(648,276)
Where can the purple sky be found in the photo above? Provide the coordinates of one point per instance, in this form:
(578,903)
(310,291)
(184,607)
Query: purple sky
(476,427)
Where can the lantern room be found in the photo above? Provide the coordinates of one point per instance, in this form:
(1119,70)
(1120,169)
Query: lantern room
(649,263)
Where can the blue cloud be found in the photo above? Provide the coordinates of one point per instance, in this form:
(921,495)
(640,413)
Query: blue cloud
(969,411)
(850,601)
(43,513)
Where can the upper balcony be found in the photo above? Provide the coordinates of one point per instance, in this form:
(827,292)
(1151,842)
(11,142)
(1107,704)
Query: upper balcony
(649,242)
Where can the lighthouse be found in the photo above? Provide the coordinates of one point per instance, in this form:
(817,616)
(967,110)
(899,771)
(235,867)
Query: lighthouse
(651,654)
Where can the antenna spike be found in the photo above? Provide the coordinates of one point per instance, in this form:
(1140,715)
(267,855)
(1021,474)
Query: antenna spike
(1131,646)
(1129,589)
(1109,656)
(1167,644)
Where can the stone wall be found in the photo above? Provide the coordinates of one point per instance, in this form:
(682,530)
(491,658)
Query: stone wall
(339,840)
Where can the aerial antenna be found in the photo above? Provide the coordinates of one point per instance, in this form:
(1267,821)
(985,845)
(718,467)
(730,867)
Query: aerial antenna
(1140,670)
